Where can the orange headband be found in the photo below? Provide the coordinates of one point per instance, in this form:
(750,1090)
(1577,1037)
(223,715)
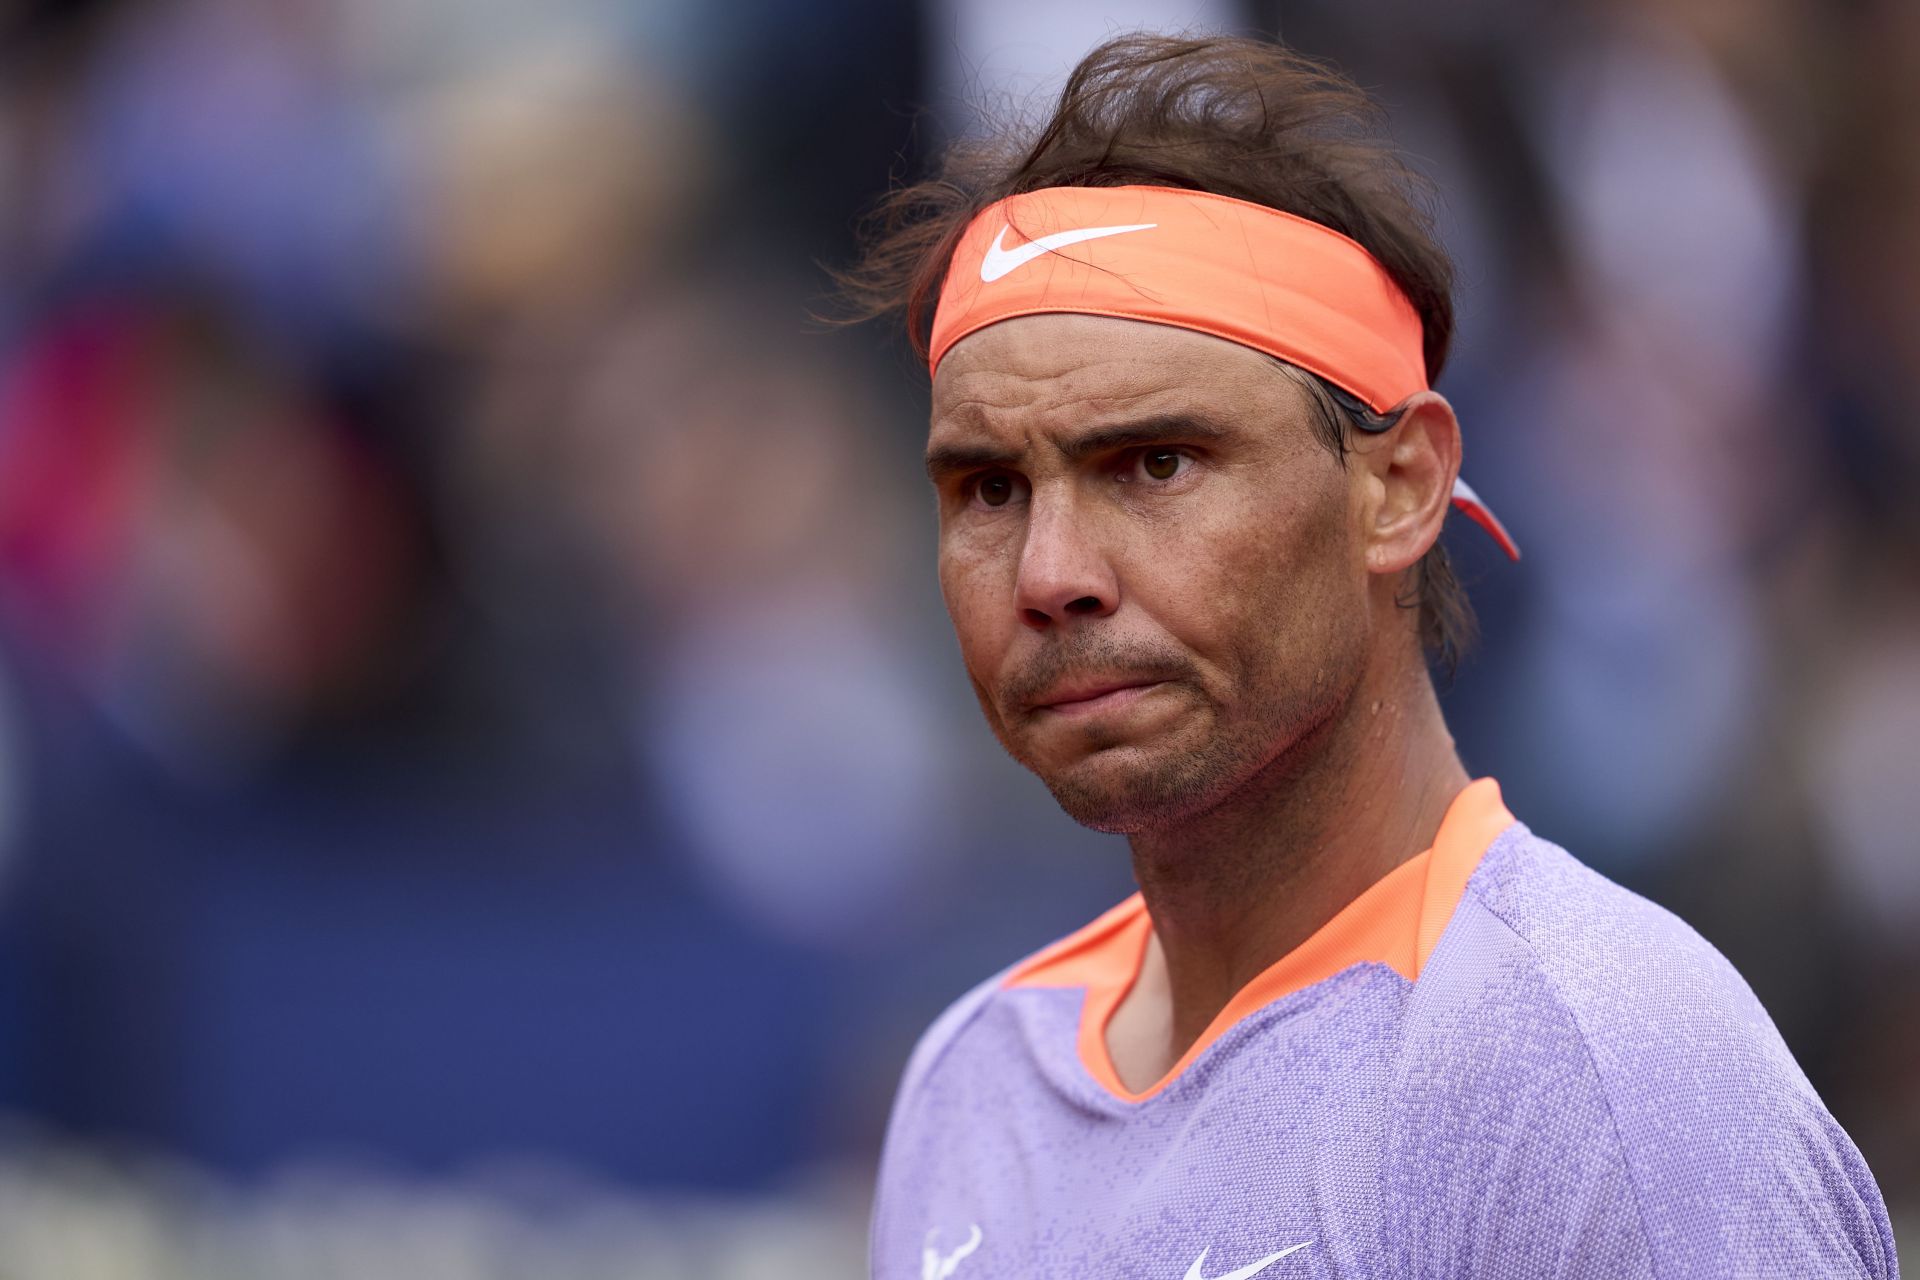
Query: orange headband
(1240,271)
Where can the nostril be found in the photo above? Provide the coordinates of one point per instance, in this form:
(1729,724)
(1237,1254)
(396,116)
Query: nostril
(1085,604)
(1036,618)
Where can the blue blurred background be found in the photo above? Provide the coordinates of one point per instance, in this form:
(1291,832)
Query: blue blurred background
(486,787)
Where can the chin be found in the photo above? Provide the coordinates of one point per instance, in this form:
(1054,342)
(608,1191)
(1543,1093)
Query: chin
(1125,790)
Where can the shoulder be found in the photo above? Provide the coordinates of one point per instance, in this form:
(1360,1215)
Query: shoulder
(944,1031)
(1621,1043)
(1656,1008)
(1628,972)
(1085,955)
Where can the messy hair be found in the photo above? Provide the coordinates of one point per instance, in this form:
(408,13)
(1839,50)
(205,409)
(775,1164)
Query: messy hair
(1234,116)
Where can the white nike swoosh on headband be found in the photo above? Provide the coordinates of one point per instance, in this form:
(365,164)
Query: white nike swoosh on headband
(1000,259)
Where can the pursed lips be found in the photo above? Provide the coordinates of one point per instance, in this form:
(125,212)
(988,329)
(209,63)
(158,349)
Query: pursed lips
(1092,695)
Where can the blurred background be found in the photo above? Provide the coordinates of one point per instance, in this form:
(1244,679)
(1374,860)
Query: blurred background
(486,787)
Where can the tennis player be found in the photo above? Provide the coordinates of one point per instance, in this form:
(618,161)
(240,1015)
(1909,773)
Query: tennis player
(1358,1021)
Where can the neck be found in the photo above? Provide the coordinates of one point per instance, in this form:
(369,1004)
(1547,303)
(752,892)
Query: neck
(1234,890)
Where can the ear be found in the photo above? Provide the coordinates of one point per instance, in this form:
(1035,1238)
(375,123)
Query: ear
(1410,471)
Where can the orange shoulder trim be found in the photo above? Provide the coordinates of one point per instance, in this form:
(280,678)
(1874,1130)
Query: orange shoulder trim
(1089,955)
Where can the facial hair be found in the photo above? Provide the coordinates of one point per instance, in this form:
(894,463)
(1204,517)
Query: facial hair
(1274,718)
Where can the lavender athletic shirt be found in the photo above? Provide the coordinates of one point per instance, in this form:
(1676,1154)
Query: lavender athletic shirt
(1495,1063)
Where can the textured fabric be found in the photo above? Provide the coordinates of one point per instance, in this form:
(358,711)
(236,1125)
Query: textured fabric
(1575,1085)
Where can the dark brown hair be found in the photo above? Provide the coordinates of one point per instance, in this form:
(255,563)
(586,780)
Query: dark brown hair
(1234,116)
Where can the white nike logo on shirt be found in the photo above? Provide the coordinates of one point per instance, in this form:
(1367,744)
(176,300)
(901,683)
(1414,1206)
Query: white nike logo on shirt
(1000,259)
(1247,1272)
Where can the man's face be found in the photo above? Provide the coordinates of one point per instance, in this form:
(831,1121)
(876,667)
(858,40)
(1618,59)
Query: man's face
(1153,563)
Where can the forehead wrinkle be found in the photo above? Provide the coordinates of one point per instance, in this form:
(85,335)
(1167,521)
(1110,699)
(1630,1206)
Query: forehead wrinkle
(975,397)
(1065,394)
(1070,428)
(1036,366)
(1015,397)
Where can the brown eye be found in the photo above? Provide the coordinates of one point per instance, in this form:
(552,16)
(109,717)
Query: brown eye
(997,488)
(1161,464)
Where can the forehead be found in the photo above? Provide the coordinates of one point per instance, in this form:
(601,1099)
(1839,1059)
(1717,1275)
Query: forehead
(1056,369)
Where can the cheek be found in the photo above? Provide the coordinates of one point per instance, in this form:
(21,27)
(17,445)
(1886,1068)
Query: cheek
(976,598)
(1249,584)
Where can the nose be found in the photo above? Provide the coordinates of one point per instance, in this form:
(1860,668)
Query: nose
(1064,571)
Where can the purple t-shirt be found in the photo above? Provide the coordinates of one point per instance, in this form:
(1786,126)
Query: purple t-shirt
(1562,1079)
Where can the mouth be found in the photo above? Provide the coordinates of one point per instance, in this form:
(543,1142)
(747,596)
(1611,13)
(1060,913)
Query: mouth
(1092,698)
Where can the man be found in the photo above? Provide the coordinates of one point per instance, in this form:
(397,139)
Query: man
(1358,1021)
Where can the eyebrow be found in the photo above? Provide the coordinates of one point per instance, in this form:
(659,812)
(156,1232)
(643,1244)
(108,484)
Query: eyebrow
(947,460)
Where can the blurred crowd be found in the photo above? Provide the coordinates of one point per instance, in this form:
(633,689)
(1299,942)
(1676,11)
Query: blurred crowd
(472,686)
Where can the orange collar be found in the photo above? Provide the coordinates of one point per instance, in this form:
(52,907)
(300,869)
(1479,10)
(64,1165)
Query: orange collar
(1396,922)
